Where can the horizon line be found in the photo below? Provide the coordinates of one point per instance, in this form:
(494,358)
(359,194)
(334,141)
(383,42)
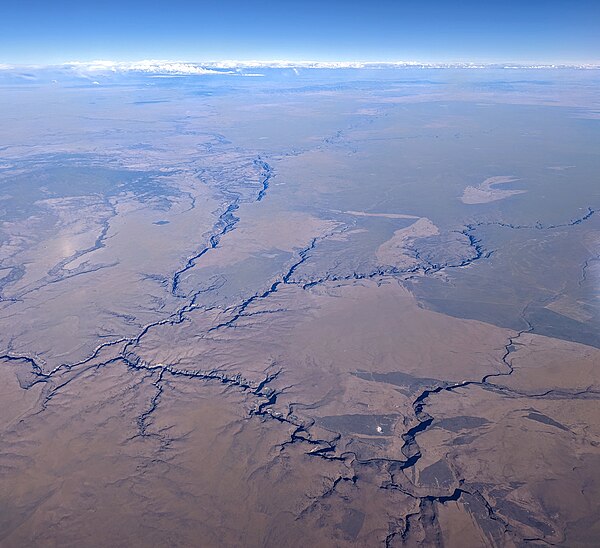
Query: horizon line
(205,67)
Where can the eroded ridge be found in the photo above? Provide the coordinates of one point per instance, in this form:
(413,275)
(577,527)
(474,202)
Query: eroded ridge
(422,521)
(329,353)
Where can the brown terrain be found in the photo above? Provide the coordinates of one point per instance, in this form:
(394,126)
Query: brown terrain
(312,343)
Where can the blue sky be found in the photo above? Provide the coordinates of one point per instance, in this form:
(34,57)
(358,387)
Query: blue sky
(34,31)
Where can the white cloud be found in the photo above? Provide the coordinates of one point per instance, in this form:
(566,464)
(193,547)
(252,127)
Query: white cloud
(151,66)
(295,65)
(165,68)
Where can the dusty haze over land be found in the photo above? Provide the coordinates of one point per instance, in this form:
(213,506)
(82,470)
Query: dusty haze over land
(317,306)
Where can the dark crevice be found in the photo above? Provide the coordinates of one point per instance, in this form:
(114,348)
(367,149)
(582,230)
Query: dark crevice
(266,396)
(226,222)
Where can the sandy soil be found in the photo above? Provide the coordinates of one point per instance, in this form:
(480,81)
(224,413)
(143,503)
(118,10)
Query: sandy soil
(487,192)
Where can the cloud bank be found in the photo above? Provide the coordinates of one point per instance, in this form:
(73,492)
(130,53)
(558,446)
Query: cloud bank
(158,68)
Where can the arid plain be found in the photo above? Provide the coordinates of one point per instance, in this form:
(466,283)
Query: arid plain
(312,308)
